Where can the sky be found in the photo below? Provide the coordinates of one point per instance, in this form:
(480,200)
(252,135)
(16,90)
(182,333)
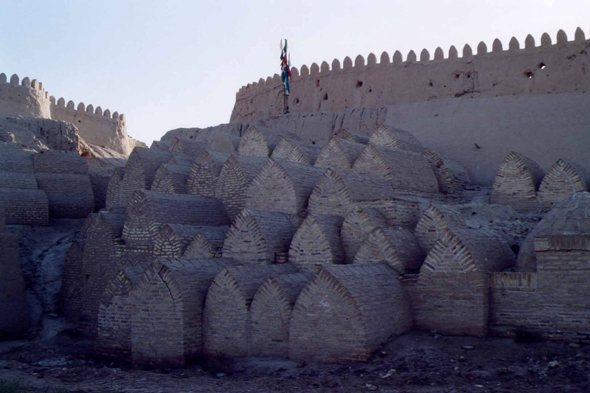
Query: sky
(168,64)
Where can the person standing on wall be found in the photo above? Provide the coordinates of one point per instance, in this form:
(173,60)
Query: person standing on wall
(285,75)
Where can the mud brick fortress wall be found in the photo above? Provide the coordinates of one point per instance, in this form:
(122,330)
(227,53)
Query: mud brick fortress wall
(96,126)
(528,95)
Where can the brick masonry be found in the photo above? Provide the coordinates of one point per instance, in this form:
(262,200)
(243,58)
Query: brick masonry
(346,312)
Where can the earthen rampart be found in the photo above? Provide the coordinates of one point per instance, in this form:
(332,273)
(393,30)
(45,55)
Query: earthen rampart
(517,69)
(29,98)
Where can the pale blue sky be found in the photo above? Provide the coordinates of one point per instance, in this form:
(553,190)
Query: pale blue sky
(169,64)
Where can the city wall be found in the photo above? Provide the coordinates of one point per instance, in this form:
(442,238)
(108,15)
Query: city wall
(533,68)
(29,98)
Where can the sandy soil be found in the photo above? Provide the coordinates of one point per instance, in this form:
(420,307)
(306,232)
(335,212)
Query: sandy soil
(416,362)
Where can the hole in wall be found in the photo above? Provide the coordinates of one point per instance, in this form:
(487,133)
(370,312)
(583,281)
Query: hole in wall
(359,84)
(430,84)
(529,74)
(457,75)
(317,83)
(542,66)
(297,101)
(79,121)
(370,90)
(326,97)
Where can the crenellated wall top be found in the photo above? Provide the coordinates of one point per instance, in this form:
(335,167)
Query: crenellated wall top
(467,53)
(34,84)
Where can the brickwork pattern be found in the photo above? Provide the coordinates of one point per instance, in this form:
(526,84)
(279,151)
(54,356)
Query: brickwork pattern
(395,246)
(149,211)
(226,317)
(255,237)
(452,295)
(117,306)
(562,181)
(295,151)
(72,284)
(25,207)
(14,310)
(337,193)
(347,312)
(407,172)
(167,324)
(204,174)
(171,179)
(140,171)
(174,240)
(234,179)
(114,196)
(516,183)
(260,142)
(283,187)
(69,195)
(394,138)
(356,228)
(339,154)
(58,161)
(317,243)
(270,314)
(452,177)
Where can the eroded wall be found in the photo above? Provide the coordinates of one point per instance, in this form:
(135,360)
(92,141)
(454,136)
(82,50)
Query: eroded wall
(558,67)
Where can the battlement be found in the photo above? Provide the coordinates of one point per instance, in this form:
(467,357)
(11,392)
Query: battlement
(89,110)
(500,71)
(29,98)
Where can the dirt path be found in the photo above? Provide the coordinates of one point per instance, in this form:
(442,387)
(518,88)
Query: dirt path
(416,362)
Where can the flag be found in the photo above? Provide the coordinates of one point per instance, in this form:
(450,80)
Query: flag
(285,67)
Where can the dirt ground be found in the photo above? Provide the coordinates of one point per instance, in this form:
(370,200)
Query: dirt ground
(416,362)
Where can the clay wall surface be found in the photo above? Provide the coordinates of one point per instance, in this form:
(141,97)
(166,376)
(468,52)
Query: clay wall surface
(282,186)
(25,181)
(357,226)
(517,69)
(226,317)
(39,134)
(167,323)
(100,263)
(339,154)
(235,177)
(140,171)
(171,179)
(347,312)
(16,160)
(2,217)
(476,132)
(270,314)
(256,237)
(69,195)
(57,161)
(14,314)
(317,243)
(114,189)
(337,193)
(395,246)
(70,297)
(25,207)
(29,98)
(95,126)
(113,339)
(26,98)
(202,179)
(174,240)
(452,291)
(149,211)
